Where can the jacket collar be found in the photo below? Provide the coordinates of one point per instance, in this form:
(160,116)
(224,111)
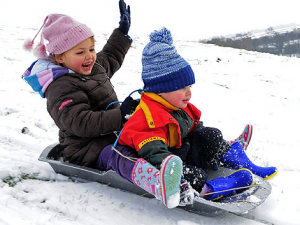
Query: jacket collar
(149,98)
(161,100)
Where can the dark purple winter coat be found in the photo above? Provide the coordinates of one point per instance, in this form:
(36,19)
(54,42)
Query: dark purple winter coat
(77,104)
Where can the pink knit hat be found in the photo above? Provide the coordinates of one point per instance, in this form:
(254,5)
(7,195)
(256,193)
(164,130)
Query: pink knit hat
(62,32)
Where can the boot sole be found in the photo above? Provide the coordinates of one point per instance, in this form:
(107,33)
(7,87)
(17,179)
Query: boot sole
(170,176)
(244,142)
(272,175)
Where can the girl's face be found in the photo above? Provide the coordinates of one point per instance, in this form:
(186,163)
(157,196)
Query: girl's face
(80,58)
(179,98)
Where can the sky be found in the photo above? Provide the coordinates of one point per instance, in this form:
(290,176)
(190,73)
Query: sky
(189,19)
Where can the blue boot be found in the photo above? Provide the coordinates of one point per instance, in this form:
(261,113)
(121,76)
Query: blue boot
(224,186)
(236,158)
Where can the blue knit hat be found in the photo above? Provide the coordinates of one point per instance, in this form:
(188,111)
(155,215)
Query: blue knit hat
(164,70)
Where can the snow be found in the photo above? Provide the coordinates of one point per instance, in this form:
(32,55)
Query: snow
(244,87)
(253,199)
(173,200)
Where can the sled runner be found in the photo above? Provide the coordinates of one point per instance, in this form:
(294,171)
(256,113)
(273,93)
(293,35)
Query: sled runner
(239,203)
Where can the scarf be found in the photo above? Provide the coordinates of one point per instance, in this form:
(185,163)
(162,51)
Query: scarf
(41,73)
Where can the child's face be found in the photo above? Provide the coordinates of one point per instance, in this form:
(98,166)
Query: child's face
(80,58)
(179,98)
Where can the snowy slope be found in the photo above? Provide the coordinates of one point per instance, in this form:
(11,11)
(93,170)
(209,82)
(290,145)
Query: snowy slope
(245,87)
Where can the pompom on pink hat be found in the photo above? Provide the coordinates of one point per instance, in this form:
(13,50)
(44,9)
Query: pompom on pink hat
(62,33)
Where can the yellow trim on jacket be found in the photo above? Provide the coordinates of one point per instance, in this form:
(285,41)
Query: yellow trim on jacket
(172,127)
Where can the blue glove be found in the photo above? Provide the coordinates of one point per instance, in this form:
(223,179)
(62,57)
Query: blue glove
(128,107)
(125,17)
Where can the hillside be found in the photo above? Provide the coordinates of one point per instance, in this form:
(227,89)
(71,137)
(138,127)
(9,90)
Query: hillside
(283,40)
(242,87)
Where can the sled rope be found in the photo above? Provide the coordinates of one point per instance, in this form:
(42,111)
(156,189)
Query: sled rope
(116,142)
(126,157)
(232,189)
(245,187)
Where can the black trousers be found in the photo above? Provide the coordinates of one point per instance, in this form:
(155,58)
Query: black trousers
(199,150)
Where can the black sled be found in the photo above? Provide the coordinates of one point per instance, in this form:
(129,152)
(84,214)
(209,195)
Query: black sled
(239,203)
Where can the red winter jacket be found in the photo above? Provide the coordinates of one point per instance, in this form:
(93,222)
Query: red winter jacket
(152,129)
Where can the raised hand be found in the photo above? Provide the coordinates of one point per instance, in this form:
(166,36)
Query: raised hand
(125,19)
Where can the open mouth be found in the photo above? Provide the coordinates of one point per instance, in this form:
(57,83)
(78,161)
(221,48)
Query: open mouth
(87,66)
(186,100)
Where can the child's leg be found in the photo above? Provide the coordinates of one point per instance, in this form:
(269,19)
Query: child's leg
(203,146)
(110,159)
(236,158)
(219,187)
(163,183)
(195,176)
(224,186)
(206,145)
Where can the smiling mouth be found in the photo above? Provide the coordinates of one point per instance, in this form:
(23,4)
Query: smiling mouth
(87,66)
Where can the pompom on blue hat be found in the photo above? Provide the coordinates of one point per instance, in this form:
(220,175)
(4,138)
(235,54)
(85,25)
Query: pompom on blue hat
(164,70)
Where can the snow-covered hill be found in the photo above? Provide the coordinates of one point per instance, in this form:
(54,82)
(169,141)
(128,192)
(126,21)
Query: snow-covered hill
(244,87)
(258,33)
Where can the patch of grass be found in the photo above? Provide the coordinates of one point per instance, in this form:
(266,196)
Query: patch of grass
(12,181)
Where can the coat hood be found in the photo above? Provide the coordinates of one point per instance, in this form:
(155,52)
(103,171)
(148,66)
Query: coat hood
(41,73)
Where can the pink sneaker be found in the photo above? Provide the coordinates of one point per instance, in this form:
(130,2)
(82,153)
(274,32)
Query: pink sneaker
(245,137)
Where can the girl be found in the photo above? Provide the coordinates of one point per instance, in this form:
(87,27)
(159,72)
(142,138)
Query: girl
(75,80)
